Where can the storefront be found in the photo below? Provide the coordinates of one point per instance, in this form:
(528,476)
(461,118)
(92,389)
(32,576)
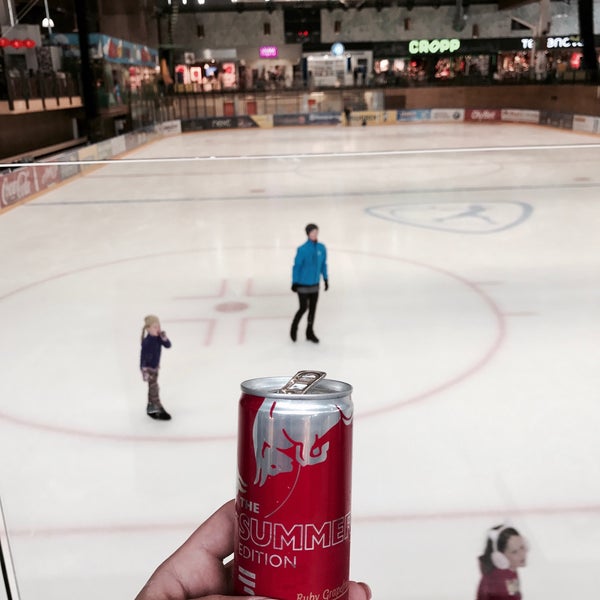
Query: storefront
(420,61)
(120,68)
(551,59)
(338,66)
(206,76)
(499,59)
(272,67)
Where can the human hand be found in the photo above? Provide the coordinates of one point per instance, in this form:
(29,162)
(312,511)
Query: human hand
(163,335)
(326,284)
(196,570)
(145,374)
(294,287)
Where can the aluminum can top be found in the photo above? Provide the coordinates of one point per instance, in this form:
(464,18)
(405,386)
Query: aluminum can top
(270,387)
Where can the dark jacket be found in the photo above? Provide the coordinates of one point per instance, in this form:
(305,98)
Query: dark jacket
(151,347)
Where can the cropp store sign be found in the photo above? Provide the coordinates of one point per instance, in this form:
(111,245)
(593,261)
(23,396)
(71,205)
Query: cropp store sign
(441,46)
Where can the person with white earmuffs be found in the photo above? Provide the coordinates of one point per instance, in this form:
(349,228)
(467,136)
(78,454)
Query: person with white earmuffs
(505,552)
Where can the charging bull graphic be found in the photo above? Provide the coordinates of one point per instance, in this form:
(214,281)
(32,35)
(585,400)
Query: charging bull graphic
(283,444)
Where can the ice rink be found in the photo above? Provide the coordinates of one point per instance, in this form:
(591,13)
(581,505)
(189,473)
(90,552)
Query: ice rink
(463,307)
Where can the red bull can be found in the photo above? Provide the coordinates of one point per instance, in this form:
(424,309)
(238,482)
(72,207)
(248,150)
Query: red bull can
(292,534)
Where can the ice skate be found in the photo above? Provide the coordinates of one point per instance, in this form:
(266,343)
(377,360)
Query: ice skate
(310,335)
(157,411)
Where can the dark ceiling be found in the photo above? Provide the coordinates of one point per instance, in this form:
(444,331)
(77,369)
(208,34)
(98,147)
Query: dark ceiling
(193,6)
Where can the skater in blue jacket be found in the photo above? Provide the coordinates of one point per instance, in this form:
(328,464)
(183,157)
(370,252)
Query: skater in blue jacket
(310,264)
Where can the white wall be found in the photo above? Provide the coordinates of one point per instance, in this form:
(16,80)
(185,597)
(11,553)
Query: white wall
(233,29)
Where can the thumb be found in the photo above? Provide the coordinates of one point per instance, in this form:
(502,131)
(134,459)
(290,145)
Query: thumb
(358,590)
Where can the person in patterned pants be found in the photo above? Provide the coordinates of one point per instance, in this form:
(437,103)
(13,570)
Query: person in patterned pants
(153,340)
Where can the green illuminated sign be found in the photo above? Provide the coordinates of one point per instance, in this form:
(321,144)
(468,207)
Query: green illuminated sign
(433,46)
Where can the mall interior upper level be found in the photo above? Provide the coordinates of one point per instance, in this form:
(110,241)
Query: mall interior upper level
(102,70)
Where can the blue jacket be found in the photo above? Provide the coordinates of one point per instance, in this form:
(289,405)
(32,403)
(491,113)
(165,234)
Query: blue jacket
(151,347)
(310,264)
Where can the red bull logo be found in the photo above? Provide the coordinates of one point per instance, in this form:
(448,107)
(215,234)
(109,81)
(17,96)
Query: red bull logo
(282,445)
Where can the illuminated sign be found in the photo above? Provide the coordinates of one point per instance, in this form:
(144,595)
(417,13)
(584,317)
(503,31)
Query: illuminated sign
(337,49)
(433,46)
(554,42)
(268,51)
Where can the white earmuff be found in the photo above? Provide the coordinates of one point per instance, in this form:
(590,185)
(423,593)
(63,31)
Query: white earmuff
(499,560)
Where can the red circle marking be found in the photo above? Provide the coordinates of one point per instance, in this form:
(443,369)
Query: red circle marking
(485,357)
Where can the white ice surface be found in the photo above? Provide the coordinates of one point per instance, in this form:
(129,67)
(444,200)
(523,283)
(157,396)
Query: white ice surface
(463,307)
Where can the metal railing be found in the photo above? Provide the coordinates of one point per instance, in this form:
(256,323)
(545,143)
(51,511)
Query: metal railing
(20,86)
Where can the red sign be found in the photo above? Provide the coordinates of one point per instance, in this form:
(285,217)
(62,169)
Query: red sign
(16,186)
(478,114)
(46,176)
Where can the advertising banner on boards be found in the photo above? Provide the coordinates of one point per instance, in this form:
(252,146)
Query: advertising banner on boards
(46,175)
(263,121)
(16,186)
(67,171)
(556,119)
(168,127)
(447,114)
(87,153)
(325,118)
(518,115)
(290,120)
(118,145)
(482,115)
(585,123)
(413,115)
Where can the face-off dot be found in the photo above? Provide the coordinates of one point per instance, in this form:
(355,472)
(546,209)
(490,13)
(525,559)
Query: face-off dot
(230,307)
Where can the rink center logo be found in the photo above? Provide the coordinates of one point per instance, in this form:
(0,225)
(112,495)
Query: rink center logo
(456,217)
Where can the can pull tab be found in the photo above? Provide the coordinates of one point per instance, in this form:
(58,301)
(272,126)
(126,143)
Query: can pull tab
(301,382)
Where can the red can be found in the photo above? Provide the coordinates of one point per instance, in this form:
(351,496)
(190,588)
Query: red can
(292,535)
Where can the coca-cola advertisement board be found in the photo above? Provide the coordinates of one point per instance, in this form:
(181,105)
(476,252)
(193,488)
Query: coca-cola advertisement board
(482,115)
(16,186)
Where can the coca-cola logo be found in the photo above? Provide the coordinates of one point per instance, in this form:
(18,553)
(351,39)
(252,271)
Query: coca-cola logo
(16,186)
(484,115)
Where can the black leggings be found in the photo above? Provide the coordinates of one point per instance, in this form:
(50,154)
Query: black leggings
(307,301)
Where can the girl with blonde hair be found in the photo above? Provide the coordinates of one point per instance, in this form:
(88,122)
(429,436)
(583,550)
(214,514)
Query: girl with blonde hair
(153,340)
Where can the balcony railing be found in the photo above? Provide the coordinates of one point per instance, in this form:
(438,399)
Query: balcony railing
(60,87)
